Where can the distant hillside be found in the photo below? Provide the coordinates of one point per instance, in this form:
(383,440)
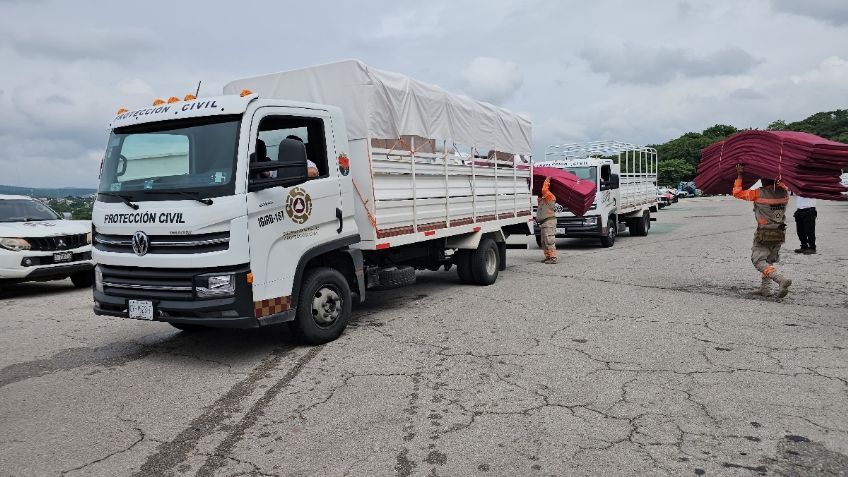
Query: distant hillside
(46,192)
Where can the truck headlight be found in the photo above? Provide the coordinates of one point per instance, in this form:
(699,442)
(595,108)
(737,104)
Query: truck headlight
(590,221)
(14,244)
(216,285)
(98,278)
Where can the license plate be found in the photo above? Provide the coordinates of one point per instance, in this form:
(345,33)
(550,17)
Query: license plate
(560,230)
(141,309)
(60,257)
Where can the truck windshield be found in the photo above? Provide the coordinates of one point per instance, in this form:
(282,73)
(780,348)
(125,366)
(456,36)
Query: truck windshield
(197,155)
(25,210)
(585,173)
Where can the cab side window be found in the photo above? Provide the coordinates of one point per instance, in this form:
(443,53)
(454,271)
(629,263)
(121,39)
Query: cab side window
(275,137)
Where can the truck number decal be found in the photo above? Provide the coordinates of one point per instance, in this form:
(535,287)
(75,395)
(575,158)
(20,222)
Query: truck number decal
(271,218)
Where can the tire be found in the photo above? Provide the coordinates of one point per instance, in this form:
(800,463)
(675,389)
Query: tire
(83,279)
(324,304)
(539,241)
(612,232)
(188,328)
(396,277)
(485,262)
(462,259)
(639,227)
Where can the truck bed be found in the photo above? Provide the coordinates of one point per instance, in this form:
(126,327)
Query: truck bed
(420,196)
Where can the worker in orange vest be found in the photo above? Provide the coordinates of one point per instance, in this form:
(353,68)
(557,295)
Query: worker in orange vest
(770,211)
(546,218)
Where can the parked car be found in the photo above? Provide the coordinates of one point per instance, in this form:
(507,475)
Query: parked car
(666,193)
(37,244)
(663,200)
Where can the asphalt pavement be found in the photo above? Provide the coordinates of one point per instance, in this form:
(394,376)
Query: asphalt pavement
(648,358)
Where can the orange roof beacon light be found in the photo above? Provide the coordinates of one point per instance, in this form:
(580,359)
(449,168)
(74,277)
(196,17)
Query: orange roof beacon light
(158,102)
(173,99)
(245,92)
(189,97)
(122,111)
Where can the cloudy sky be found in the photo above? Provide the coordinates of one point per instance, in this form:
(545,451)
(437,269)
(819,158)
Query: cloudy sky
(643,71)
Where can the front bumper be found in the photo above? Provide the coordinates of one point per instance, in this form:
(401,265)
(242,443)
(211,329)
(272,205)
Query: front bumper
(235,311)
(574,227)
(39,266)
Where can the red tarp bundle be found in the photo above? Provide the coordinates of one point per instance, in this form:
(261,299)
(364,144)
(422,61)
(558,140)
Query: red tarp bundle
(571,192)
(807,164)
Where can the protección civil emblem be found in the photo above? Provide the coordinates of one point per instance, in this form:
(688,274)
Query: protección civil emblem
(298,205)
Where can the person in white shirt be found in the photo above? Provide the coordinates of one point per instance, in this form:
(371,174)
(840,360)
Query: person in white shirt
(805,223)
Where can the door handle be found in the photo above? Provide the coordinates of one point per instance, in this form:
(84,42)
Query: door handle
(339,216)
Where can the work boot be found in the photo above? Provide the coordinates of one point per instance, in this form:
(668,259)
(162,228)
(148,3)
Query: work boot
(764,288)
(809,251)
(551,260)
(803,249)
(784,283)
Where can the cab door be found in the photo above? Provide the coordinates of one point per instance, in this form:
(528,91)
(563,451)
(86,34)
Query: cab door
(286,221)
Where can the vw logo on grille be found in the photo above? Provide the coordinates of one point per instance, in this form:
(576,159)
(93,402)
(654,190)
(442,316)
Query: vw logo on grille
(62,243)
(140,243)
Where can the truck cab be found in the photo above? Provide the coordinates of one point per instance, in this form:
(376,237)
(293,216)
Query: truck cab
(205,211)
(626,189)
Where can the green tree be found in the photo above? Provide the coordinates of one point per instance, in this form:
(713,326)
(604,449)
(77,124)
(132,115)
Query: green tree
(672,171)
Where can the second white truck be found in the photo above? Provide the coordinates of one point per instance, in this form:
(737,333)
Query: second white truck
(289,196)
(625,176)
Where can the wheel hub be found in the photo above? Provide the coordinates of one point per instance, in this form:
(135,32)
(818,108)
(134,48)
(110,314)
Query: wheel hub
(326,306)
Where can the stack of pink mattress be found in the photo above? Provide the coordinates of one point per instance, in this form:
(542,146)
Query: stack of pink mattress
(571,192)
(807,164)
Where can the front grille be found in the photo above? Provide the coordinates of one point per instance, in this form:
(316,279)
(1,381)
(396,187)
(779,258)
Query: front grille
(60,242)
(148,283)
(166,244)
(569,221)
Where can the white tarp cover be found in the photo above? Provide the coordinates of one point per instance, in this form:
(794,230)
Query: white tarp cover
(383,105)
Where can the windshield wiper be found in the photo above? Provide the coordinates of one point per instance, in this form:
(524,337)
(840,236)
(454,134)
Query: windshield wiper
(190,194)
(124,198)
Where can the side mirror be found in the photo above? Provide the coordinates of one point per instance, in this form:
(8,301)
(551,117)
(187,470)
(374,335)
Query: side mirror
(123,163)
(67,215)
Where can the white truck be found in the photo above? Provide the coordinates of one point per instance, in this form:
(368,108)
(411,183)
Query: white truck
(206,215)
(626,189)
(37,244)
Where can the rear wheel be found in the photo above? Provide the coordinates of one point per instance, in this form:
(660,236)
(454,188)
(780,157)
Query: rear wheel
(324,306)
(485,262)
(612,231)
(83,279)
(639,227)
(462,259)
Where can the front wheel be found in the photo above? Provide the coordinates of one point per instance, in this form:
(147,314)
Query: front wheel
(324,306)
(83,279)
(612,231)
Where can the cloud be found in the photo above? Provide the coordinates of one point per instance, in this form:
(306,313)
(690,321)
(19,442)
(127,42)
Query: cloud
(111,44)
(492,79)
(831,71)
(834,12)
(645,65)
